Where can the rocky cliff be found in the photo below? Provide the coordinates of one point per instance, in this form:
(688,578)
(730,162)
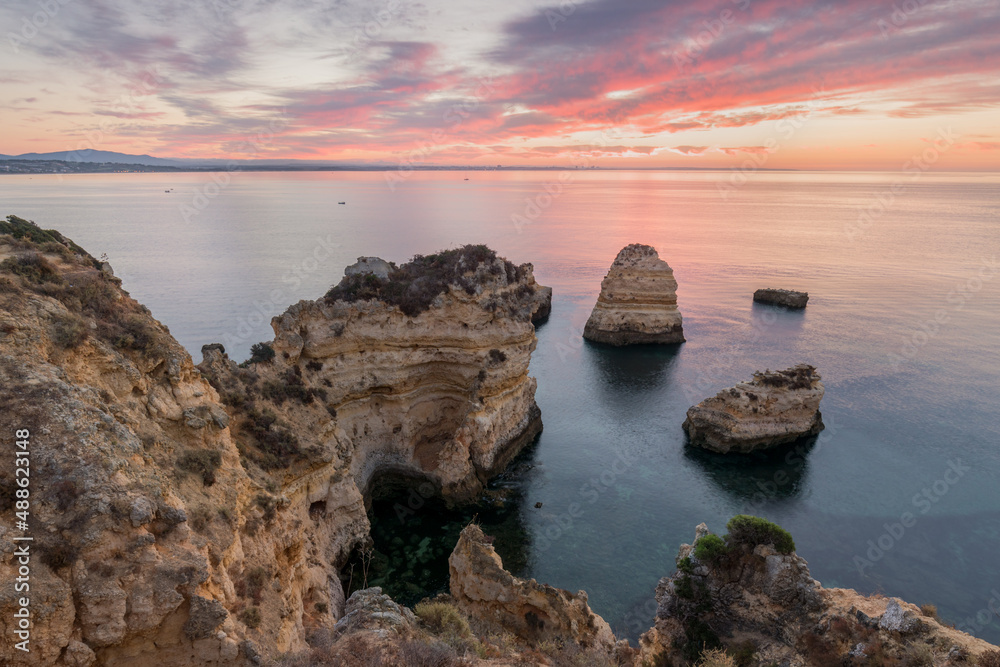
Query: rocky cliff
(483,589)
(421,375)
(638,301)
(751,594)
(772,409)
(177,524)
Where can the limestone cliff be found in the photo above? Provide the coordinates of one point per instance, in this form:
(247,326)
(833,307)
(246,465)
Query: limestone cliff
(133,557)
(482,588)
(400,376)
(638,301)
(772,409)
(175,525)
(750,593)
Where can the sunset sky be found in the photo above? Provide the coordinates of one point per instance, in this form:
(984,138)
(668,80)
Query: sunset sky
(611,83)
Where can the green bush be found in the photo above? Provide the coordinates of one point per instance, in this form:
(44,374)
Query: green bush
(27,230)
(753,530)
(261,353)
(710,549)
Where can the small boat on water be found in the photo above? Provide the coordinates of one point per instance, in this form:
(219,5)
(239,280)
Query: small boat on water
(342,202)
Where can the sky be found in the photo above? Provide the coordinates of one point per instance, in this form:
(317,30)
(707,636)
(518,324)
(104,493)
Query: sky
(845,84)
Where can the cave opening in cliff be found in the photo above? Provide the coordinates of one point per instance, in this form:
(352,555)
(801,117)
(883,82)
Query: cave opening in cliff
(414,530)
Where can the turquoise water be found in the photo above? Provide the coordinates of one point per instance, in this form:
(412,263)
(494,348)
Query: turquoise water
(903,323)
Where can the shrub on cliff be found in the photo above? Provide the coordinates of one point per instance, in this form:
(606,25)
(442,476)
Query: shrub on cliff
(27,230)
(32,267)
(413,286)
(203,462)
(69,331)
(275,441)
(445,621)
(260,353)
(793,378)
(716,657)
(710,549)
(753,530)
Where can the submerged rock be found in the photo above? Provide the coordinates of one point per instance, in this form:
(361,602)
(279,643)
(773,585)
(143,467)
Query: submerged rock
(638,301)
(782,297)
(772,409)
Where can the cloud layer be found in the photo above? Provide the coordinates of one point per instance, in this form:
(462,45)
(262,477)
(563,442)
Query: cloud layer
(650,82)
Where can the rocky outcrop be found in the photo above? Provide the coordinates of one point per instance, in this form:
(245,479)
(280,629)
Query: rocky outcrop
(638,301)
(772,409)
(746,592)
(439,393)
(373,265)
(543,304)
(782,297)
(198,523)
(482,588)
(132,557)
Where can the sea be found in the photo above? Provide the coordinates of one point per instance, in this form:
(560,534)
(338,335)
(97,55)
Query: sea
(899,495)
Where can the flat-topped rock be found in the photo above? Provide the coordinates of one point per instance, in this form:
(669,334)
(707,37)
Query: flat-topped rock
(772,409)
(782,297)
(638,301)
(373,265)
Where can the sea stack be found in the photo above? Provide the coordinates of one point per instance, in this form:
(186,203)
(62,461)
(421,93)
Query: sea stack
(782,297)
(638,301)
(772,409)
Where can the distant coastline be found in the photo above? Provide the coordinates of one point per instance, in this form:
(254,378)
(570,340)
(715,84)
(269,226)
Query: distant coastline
(22,166)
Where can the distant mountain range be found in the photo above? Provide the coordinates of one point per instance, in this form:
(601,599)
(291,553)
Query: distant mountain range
(91,155)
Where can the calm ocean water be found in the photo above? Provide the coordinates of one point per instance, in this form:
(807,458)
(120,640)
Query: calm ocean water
(903,323)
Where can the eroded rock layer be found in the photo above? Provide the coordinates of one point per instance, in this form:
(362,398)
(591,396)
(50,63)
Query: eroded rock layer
(482,588)
(638,301)
(441,395)
(772,409)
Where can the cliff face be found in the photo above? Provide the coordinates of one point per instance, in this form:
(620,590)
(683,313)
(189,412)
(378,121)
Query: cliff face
(442,395)
(128,552)
(772,409)
(175,525)
(638,301)
(746,592)
(532,611)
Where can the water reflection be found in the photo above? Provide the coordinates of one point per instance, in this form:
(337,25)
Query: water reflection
(758,479)
(778,319)
(634,368)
